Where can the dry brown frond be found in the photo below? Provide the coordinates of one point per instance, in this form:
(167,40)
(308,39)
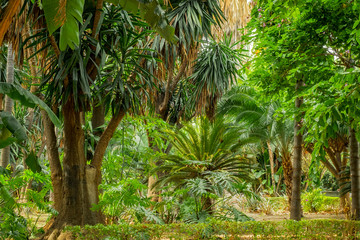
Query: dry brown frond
(60,16)
(237,14)
(8,17)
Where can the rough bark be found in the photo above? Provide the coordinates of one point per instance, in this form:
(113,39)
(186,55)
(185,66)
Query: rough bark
(288,173)
(98,118)
(54,160)
(151,193)
(79,180)
(355,175)
(345,203)
(334,159)
(74,200)
(271,158)
(295,210)
(210,108)
(5,152)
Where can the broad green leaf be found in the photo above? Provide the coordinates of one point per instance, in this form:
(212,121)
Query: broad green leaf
(10,122)
(6,197)
(33,162)
(67,16)
(28,99)
(6,142)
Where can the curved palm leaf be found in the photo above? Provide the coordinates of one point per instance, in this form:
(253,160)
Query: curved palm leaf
(206,153)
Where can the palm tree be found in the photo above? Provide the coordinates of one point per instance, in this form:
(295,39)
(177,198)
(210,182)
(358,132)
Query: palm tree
(215,70)
(208,159)
(242,103)
(193,20)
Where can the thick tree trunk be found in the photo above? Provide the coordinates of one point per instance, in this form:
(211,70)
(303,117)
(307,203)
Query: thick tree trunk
(5,152)
(295,210)
(151,193)
(271,158)
(75,204)
(355,175)
(54,160)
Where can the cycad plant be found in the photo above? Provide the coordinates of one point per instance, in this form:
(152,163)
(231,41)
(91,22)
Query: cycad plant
(207,160)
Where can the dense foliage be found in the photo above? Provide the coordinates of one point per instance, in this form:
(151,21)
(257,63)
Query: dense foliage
(158,119)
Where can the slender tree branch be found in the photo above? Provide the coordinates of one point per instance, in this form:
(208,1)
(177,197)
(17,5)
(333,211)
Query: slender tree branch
(105,139)
(99,5)
(333,159)
(180,74)
(328,165)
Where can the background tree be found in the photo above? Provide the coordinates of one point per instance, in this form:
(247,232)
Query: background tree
(246,105)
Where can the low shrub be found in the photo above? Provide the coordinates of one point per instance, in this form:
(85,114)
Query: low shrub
(316,201)
(313,201)
(307,229)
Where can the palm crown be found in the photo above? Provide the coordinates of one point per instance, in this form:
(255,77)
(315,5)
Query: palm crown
(208,157)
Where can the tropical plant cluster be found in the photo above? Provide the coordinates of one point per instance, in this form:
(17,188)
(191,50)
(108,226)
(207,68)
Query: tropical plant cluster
(144,119)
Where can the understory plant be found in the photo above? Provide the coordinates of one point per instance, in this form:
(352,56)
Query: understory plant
(313,201)
(207,160)
(126,201)
(13,225)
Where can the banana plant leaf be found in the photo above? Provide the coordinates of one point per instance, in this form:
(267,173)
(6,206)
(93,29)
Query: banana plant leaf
(28,99)
(10,130)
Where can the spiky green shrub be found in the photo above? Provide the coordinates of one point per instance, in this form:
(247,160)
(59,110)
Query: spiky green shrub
(207,161)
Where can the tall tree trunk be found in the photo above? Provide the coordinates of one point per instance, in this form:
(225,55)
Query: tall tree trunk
(295,210)
(271,158)
(75,197)
(345,199)
(5,153)
(288,173)
(54,160)
(75,200)
(355,175)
